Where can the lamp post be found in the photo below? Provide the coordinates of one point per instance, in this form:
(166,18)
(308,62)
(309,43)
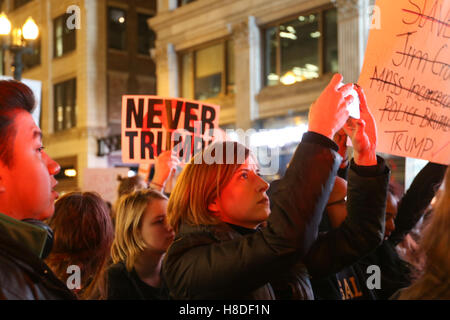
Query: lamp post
(20,42)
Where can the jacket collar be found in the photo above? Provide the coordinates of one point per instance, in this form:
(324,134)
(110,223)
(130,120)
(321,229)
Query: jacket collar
(220,231)
(26,234)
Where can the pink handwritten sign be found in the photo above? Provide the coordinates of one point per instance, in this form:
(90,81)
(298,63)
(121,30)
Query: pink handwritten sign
(406,77)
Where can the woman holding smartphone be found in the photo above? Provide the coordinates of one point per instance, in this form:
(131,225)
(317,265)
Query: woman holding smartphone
(220,250)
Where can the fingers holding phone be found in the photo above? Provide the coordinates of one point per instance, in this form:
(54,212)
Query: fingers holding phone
(329,112)
(363,133)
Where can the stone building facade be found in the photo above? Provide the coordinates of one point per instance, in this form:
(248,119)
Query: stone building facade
(83,76)
(260,99)
(242,55)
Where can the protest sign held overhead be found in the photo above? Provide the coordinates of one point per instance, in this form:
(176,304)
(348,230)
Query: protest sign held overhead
(153,124)
(406,78)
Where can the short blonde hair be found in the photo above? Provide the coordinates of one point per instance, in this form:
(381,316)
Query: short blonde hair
(199,184)
(128,242)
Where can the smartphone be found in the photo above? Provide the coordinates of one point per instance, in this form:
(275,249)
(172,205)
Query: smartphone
(353,108)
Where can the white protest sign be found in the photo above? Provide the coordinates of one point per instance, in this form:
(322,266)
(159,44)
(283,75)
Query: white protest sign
(153,124)
(406,78)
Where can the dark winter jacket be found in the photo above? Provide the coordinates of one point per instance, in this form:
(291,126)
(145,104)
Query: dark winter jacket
(363,229)
(416,200)
(23,274)
(216,262)
(395,272)
(331,258)
(351,281)
(125,285)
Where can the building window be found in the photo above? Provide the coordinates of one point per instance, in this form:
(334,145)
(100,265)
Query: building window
(64,39)
(117,29)
(33,59)
(183,2)
(302,48)
(204,77)
(146,36)
(19,3)
(65,105)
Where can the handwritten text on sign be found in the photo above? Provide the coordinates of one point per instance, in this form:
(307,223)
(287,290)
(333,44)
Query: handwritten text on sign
(152,124)
(406,77)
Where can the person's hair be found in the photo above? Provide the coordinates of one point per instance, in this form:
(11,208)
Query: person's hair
(129,184)
(128,242)
(200,183)
(83,234)
(434,281)
(126,186)
(14,96)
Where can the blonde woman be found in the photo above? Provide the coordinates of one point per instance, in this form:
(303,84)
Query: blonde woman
(165,165)
(142,237)
(434,282)
(217,209)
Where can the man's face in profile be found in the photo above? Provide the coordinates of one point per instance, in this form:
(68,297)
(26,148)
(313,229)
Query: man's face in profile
(27,185)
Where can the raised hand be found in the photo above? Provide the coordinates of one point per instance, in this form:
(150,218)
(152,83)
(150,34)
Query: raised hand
(363,133)
(341,140)
(329,112)
(165,164)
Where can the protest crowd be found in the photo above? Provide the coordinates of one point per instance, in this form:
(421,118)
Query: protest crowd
(323,231)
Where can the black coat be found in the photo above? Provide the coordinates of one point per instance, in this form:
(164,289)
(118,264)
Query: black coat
(395,272)
(363,229)
(216,262)
(125,285)
(24,276)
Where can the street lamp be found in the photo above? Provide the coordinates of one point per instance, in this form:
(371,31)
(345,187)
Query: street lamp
(21,41)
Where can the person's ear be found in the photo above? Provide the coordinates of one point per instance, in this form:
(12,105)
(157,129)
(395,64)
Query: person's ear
(214,207)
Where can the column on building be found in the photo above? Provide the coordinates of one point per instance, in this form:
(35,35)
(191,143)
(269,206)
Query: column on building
(247,59)
(172,66)
(94,84)
(352,36)
(162,68)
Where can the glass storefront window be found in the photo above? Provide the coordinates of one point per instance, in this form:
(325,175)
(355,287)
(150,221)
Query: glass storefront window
(146,36)
(63,37)
(301,49)
(117,29)
(208,72)
(299,42)
(65,105)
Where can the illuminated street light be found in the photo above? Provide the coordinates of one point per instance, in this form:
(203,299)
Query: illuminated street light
(30,30)
(5,25)
(20,41)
